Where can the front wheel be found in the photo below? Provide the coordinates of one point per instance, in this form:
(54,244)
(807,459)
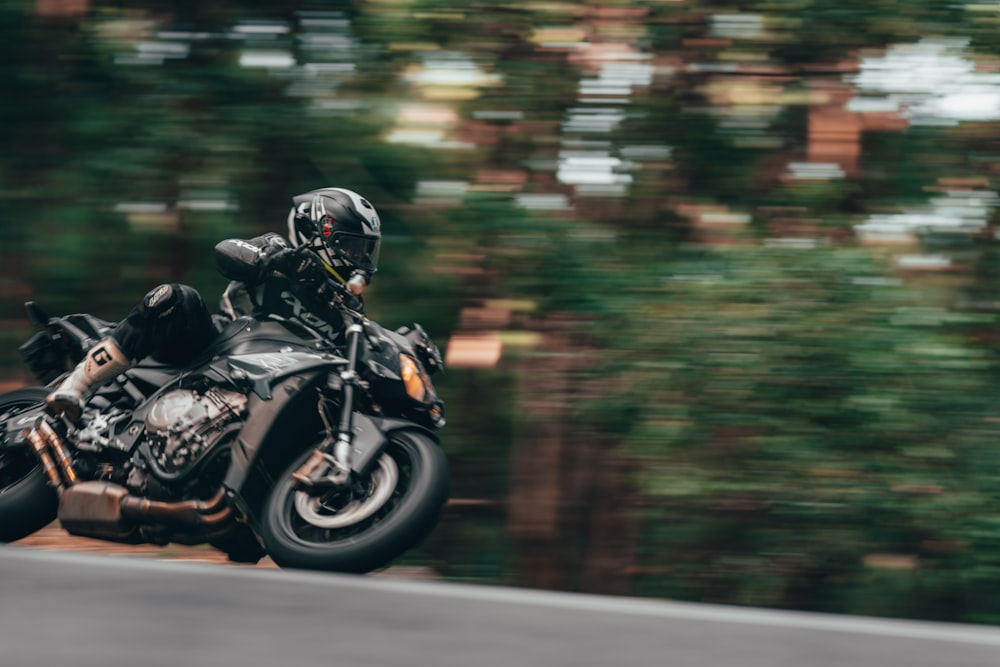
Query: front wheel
(366,526)
(27,502)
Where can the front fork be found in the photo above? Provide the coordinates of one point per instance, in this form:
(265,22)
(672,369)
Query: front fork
(330,462)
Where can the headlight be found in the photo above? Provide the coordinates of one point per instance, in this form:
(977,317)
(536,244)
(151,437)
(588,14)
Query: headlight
(413,379)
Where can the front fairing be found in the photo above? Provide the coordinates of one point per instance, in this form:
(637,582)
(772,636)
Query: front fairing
(382,367)
(260,371)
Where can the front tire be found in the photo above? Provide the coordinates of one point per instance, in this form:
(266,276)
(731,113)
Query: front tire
(388,513)
(27,502)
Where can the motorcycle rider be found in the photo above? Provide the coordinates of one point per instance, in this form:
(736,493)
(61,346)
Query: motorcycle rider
(332,233)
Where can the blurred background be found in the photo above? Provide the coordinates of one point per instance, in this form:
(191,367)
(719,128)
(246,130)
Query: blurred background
(716,281)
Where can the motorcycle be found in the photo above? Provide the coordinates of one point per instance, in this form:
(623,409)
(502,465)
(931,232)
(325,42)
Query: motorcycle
(273,442)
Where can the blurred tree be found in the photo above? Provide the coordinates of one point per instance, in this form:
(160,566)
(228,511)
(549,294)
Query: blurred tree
(711,387)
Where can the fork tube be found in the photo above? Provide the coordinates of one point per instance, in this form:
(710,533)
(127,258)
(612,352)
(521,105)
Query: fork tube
(350,378)
(345,433)
(341,441)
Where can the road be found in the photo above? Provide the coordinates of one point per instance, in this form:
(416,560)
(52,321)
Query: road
(59,608)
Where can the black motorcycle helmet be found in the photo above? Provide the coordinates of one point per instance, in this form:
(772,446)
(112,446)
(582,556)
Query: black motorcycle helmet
(341,226)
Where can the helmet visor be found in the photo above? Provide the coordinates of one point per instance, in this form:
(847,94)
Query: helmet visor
(357,250)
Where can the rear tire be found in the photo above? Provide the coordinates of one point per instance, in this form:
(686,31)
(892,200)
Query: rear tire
(27,502)
(406,513)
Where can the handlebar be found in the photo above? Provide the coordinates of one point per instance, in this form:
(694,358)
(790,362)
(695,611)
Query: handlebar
(337,296)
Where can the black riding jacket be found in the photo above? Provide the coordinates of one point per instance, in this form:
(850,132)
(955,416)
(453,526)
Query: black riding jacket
(255,289)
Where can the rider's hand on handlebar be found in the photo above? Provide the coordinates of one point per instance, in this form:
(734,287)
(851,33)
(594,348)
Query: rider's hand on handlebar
(300,264)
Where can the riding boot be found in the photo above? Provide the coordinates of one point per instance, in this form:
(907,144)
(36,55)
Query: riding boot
(102,363)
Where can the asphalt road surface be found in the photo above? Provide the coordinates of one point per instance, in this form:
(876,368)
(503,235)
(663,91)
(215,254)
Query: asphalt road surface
(78,610)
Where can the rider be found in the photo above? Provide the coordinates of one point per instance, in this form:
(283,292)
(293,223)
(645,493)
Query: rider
(332,233)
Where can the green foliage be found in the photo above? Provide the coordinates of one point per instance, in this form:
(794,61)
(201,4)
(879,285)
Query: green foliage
(818,406)
(810,427)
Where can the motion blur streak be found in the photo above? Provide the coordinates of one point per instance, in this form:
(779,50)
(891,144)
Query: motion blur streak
(718,280)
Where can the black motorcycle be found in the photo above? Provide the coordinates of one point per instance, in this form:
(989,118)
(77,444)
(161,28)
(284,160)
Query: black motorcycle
(275,441)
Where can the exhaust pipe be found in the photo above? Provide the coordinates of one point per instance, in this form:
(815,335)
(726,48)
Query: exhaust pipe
(109,511)
(211,512)
(53,455)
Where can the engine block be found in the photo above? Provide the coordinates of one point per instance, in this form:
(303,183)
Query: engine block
(183,425)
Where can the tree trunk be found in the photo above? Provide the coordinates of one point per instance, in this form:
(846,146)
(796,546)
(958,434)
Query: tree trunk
(570,510)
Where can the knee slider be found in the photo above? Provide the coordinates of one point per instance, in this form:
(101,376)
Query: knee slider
(161,301)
